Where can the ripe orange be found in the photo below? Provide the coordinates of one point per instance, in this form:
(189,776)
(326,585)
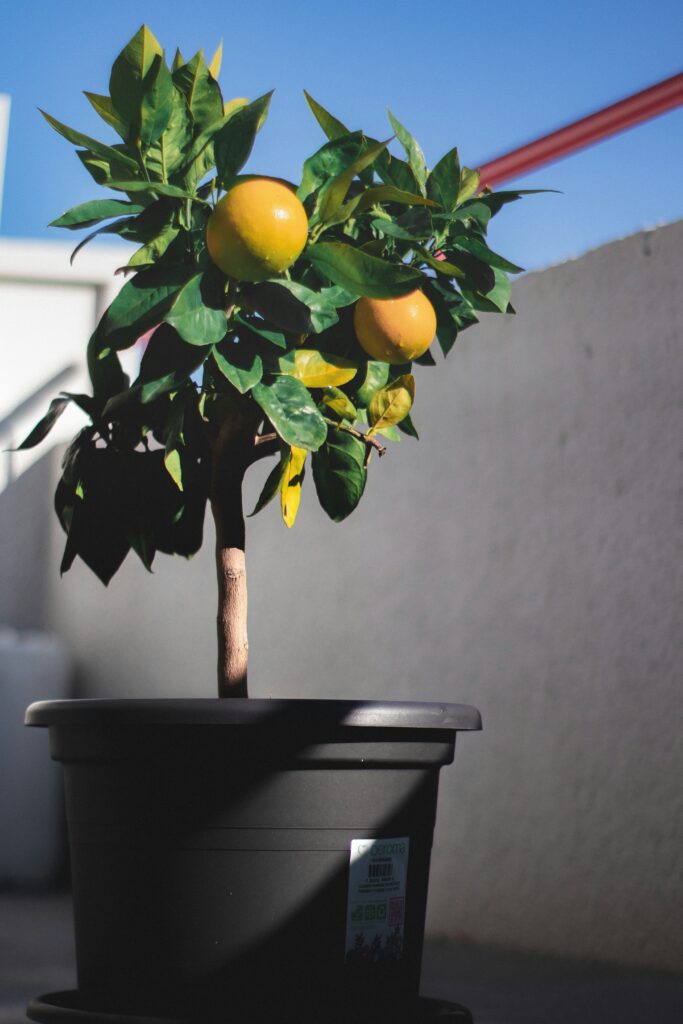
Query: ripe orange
(256,230)
(395,330)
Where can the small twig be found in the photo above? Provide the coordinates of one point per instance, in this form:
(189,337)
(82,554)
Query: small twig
(365,438)
(264,445)
(265,438)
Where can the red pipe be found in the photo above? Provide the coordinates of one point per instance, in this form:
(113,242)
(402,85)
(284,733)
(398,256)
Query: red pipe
(649,103)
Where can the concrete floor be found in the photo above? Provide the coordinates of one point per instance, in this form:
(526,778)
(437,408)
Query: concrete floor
(498,986)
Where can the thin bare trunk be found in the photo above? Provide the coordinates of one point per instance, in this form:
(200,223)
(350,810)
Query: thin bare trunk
(231,621)
(226,506)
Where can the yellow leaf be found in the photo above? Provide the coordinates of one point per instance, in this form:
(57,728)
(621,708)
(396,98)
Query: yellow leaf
(232,105)
(290,487)
(172,463)
(338,402)
(392,403)
(215,65)
(320,369)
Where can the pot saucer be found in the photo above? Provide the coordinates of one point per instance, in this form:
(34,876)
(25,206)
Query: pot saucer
(73,1008)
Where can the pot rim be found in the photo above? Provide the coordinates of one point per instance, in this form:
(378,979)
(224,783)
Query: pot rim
(254,711)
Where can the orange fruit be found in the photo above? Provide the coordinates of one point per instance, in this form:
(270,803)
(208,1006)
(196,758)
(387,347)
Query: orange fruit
(395,330)
(256,230)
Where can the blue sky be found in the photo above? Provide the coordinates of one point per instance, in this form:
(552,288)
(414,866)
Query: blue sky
(486,78)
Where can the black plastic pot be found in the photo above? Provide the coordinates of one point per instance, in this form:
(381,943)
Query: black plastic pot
(222,853)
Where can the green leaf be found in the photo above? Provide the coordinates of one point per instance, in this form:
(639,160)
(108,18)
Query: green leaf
(175,439)
(293,306)
(418,221)
(272,485)
(474,209)
(406,426)
(447,304)
(242,367)
(391,432)
(129,500)
(360,273)
(139,305)
(126,82)
(392,403)
(157,101)
(416,160)
(147,225)
(499,295)
(86,214)
(107,153)
(496,200)
(329,161)
(394,171)
(339,403)
(292,411)
(196,320)
(389,194)
(290,484)
(443,184)
(478,274)
(334,192)
(152,251)
(167,363)
(376,376)
(104,169)
(320,369)
(104,368)
(105,108)
(391,229)
(469,183)
(447,333)
(45,425)
(259,327)
(339,474)
(199,158)
(443,266)
(426,359)
(201,90)
(337,297)
(329,124)
(174,144)
(95,530)
(233,143)
(481,251)
(158,187)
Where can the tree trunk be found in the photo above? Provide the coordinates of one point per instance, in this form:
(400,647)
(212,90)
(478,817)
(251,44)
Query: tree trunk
(229,464)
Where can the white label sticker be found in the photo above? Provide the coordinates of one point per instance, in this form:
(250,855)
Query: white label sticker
(377,896)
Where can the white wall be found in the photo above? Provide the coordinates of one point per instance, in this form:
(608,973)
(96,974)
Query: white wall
(48,310)
(524,556)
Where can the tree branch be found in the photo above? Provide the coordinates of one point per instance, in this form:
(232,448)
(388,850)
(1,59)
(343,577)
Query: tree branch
(367,439)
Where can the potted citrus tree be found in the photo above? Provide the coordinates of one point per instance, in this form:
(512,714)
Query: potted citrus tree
(263,858)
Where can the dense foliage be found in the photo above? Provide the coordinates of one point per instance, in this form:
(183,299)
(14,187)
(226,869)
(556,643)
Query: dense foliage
(279,357)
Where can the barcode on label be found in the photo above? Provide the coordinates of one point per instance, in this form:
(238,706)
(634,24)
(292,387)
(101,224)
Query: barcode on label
(380,870)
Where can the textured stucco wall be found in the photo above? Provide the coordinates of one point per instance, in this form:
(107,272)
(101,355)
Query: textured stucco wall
(525,557)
